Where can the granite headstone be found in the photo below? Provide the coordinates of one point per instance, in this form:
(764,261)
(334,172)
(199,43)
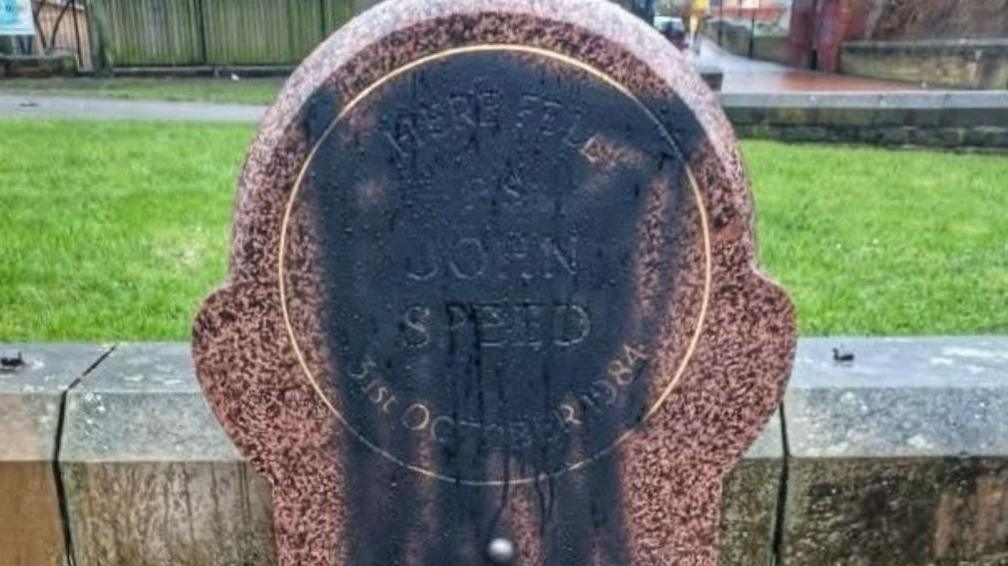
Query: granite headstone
(492,295)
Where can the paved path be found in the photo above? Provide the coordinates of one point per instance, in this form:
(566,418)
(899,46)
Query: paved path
(39,106)
(742,74)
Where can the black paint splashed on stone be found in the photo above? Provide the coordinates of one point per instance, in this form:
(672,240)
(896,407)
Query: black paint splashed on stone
(481,220)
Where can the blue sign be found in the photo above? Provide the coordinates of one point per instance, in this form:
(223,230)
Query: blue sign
(16,17)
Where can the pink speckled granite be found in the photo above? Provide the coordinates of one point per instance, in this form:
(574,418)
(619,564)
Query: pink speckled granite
(655,498)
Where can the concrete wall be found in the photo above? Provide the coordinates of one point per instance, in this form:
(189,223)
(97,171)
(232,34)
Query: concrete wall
(732,37)
(903,20)
(974,64)
(949,120)
(897,457)
(819,28)
(737,38)
(771,48)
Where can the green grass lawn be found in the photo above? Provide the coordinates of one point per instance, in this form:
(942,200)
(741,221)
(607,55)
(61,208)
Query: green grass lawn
(116,231)
(874,241)
(244,91)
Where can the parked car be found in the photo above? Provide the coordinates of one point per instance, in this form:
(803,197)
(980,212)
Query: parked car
(674,30)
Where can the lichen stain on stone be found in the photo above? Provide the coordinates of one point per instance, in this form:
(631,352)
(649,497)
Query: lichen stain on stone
(166,514)
(987,505)
(975,353)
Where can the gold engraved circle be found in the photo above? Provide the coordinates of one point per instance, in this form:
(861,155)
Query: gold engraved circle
(558,57)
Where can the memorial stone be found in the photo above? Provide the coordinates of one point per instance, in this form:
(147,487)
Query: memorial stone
(493,296)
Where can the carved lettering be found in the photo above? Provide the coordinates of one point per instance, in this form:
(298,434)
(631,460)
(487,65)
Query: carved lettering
(381,396)
(555,256)
(572,325)
(542,116)
(468,259)
(416,327)
(438,430)
(604,393)
(528,257)
(463,107)
(513,436)
(491,327)
(483,304)
(416,417)
(497,325)
(491,322)
(423,266)
(568,415)
(529,332)
(626,368)
(410,129)
(367,366)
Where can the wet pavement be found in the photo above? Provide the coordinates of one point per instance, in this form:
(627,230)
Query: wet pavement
(747,75)
(42,106)
(741,76)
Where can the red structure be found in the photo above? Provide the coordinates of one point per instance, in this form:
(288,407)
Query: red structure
(819,28)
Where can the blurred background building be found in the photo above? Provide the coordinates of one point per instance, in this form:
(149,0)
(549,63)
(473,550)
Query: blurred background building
(960,43)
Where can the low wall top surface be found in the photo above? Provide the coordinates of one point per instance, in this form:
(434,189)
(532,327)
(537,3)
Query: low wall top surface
(997,42)
(48,368)
(911,100)
(935,397)
(930,364)
(947,119)
(152,387)
(899,398)
(30,396)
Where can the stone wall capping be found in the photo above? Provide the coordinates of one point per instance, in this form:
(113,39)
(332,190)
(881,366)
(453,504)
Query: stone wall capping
(899,398)
(926,43)
(961,120)
(149,475)
(915,99)
(33,382)
(153,387)
(900,453)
